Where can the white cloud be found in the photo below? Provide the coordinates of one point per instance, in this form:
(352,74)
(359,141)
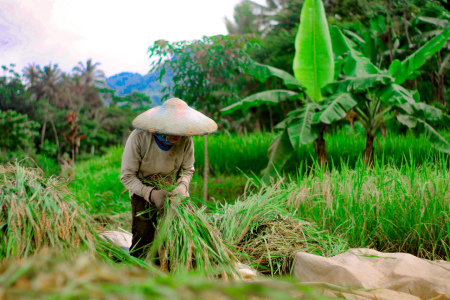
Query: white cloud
(112,32)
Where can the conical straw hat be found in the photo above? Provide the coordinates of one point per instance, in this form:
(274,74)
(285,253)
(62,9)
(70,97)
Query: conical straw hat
(175,117)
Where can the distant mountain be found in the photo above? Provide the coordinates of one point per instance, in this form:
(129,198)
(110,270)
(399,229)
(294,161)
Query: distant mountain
(125,83)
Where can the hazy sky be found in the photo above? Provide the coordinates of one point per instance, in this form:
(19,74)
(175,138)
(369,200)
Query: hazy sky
(112,32)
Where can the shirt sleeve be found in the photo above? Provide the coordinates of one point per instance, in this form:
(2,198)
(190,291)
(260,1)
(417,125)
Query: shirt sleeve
(131,163)
(187,165)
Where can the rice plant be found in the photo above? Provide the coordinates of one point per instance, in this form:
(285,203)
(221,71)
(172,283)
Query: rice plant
(186,238)
(233,154)
(388,208)
(36,213)
(53,277)
(266,236)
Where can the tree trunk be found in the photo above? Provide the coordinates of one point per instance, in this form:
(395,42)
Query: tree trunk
(256,114)
(94,133)
(283,109)
(56,138)
(271,118)
(369,151)
(389,21)
(206,171)
(320,148)
(405,21)
(44,126)
(438,82)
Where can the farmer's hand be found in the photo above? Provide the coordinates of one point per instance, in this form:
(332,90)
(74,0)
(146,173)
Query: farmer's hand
(181,190)
(158,197)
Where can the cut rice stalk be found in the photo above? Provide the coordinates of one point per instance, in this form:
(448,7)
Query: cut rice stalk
(38,213)
(187,240)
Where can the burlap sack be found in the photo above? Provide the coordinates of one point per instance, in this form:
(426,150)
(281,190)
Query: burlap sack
(385,275)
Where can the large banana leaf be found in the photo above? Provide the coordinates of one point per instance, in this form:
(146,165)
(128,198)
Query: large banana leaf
(279,152)
(313,61)
(428,112)
(336,108)
(436,140)
(356,64)
(267,97)
(435,21)
(300,129)
(408,102)
(402,70)
(356,84)
(261,72)
(397,96)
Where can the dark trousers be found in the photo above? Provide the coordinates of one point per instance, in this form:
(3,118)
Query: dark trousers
(143,227)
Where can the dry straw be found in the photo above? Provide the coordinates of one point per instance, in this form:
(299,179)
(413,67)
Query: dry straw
(266,236)
(38,213)
(53,277)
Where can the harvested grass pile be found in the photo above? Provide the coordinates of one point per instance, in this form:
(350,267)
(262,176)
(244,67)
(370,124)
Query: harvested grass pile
(37,213)
(266,236)
(187,240)
(272,246)
(45,277)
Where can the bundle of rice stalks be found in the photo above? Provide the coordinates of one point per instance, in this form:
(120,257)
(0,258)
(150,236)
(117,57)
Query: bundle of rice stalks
(38,213)
(187,240)
(266,236)
(271,247)
(51,277)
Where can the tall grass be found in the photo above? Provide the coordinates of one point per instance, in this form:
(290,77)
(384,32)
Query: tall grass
(402,204)
(231,153)
(97,184)
(389,208)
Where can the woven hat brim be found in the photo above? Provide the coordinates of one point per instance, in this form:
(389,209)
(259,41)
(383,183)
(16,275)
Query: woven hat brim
(177,119)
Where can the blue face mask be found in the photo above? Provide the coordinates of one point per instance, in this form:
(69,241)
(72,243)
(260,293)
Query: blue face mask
(163,138)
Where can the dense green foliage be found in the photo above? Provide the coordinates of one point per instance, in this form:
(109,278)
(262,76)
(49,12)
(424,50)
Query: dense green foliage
(398,209)
(247,154)
(396,206)
(16,133)
(382,187)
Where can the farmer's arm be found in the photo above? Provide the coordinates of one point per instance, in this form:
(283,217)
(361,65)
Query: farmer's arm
(131,162)
(188,164)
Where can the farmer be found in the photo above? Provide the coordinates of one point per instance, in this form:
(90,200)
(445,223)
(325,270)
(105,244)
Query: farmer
(160,147)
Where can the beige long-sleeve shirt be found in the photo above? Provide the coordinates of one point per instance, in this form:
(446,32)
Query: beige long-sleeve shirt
(142,157)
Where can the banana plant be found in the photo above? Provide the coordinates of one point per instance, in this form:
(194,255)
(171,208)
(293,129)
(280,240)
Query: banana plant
(313,68)
(379,95)
(375,94)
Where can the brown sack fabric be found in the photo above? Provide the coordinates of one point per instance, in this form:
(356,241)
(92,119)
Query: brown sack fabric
(390,273)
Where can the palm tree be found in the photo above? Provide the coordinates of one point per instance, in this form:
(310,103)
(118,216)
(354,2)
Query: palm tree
(31,74)
(89,72)
(46,86)
(49,79)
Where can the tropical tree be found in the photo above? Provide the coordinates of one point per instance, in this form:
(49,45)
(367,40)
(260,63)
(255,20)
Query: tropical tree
(245,20)
(375,93)
(49,80)
(372,92)
(204,72)
(31,74)
(313,68)
(89,73)
(16,132)
(13,93)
